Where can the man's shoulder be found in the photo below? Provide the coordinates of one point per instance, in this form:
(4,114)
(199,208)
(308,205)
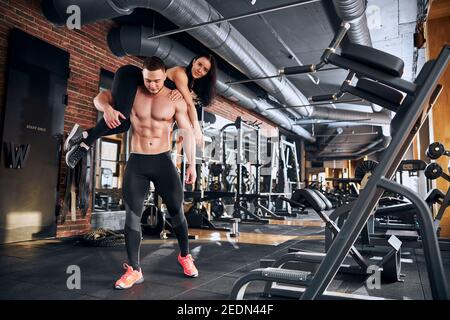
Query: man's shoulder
(180,104)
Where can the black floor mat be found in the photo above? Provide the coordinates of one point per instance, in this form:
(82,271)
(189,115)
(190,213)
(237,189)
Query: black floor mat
(38,269)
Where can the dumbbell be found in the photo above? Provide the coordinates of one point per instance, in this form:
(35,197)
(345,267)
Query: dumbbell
(435,150)
(434,171)
(215,186)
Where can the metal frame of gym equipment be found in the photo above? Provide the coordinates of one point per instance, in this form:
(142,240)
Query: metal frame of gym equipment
(286,151)
(420,98)
(413,167)
(263,212)
(359,90)
(280,155)
(408,234)
(395,213)
(239,212)
(198,216)
(270,193)
(389,266)
(268,169)
(399,214)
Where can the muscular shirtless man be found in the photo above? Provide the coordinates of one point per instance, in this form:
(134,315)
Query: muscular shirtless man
(152,118)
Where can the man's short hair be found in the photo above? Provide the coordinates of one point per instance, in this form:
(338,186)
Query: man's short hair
(154,63)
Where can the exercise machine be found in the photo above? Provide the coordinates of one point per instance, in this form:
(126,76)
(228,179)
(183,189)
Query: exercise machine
(385,70)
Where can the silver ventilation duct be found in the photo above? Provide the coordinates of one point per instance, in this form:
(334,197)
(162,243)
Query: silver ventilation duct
(353,11)
(360,118)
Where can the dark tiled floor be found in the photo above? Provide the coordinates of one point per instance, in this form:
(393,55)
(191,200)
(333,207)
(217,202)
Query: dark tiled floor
(38,269)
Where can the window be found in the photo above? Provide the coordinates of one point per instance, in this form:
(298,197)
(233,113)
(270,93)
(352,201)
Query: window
(110,156)
(110,161)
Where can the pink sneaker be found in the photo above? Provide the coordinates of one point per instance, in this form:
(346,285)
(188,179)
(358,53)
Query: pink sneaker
(130,278)
(188,266)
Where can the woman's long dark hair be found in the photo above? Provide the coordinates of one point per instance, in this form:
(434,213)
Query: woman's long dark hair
(205,87)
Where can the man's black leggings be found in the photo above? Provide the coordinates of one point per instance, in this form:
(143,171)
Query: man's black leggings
(140,170)
(126,81)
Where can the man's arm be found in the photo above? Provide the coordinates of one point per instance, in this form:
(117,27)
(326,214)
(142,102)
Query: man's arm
(104,102)
(185,130)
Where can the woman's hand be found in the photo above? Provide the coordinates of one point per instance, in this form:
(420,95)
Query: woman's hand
(198,137)
(175,95)
(112,116)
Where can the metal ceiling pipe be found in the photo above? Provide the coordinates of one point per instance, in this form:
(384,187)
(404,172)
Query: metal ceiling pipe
(353,11)
(380,118)
(133,40)
(221,38)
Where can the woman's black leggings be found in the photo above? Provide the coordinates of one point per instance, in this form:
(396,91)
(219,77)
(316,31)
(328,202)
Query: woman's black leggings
(124,87)
(140,170)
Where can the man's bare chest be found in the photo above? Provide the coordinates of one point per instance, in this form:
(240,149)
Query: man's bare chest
(147,107)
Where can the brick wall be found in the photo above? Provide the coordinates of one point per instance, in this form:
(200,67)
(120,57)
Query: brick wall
(88,54)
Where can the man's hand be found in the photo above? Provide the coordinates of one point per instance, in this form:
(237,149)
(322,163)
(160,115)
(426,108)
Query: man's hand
(112,116)
(175,95)
(191,175)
